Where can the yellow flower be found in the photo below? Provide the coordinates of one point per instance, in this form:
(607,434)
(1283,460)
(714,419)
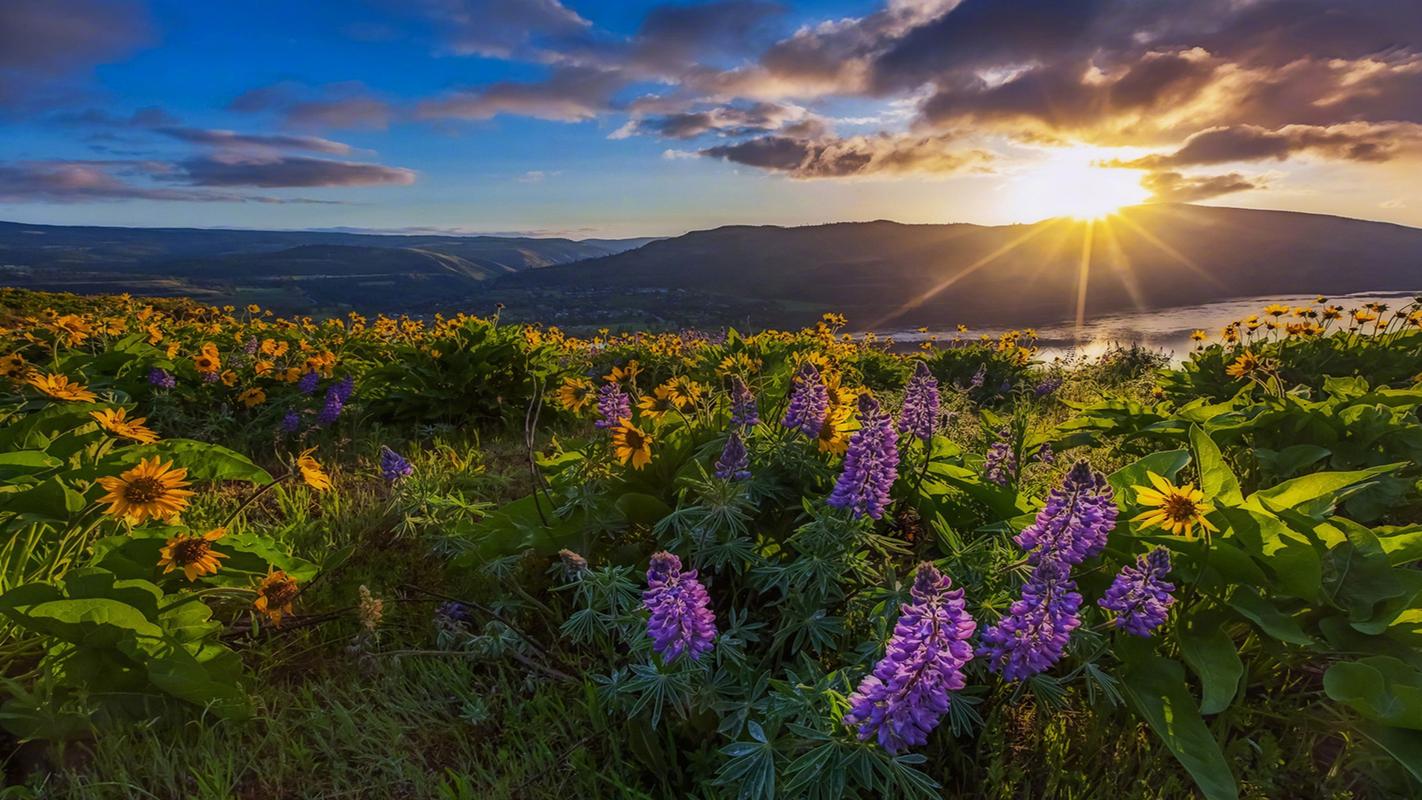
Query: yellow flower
(1197,335)
(61,388)
(13,366)
(575,394)
(312,472)
(1177,509)
(252,397)
(116,421)
(631,444)
(262,367)
(254,309)
(1244,366)
(229,378)
(151,490)
(1277,310)
(192,554)
(659,403)
(833,437)
(1360,316)
(624,374)
(207,362)
(275,596)
(684,391)
(72,328)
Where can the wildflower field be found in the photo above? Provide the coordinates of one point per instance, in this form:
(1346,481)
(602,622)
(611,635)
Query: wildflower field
(255,557)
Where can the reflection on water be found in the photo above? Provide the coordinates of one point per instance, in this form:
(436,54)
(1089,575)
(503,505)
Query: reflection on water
(1167,330)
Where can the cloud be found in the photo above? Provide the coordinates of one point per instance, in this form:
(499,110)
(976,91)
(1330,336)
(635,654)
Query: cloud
(91,181)
(275,141)
(1172,187)
(727,121)
(230,169)
(43,43)
(833,157)
(501,28)
(1346,142)
(571,94)
(341,105)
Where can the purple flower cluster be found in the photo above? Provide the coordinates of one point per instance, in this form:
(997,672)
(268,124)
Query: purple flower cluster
(250,346)
(920,412)
(1045,454)
(1075,521)
(681,621)
(344,389)
(394,466)
(871,464)
(906,695)
(291,422)
(734,463)
(1001,464)
(1140,596)
(210,377)
(307,383)
(1069,529)
(809,402)
(613,405)
(979,378)
(161,378)
(331,408)
(744,413)
(1034,633)
(1047,385)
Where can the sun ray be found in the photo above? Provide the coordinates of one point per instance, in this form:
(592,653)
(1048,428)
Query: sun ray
(1035,231)
(1170,251)
(1083,276)
(1121,263)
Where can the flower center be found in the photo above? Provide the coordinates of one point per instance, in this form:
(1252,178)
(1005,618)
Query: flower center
(1180,508)
(143,490)
(190,551)
(279,594)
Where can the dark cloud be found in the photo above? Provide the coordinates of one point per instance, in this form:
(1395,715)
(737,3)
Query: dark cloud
(226,169)
(96,181)
(743,120)
(835,157)
(1172,187)
(45,42)
(342,105)
(148,117)
(1348,142)
(276,141)
(501,28)
(571,94)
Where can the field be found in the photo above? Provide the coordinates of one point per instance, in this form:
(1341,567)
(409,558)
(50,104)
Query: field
(262,557)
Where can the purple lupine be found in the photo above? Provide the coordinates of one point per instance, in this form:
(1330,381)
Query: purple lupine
(1033,635)
(1047,385)
(1045,454)
(920,412)
(734,463)
(743,408)
(979,378)
(161,378)
(1001,464)
(291,422)
(210,377)
(1140,596)
(681,621)
(308,382)
(394,466)
(344,389)
(1075,521)
(809,402)
(613,406)
(906,695)
(331,408)
(871,464)
(250,346)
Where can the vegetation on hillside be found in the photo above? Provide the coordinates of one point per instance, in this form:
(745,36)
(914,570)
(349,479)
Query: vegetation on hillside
(253,556)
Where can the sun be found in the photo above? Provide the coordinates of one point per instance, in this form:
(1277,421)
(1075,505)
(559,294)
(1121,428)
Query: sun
(1070,182)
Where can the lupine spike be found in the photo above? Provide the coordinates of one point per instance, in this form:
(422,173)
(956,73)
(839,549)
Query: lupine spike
(909,690)
(734,463)
(681,621)
(613,406)
(871,464)
(919,415)
(1140,596)
(1074,523)
(743,406)
(809,403)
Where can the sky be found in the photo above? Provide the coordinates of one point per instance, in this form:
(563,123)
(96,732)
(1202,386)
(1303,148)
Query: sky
(626,118)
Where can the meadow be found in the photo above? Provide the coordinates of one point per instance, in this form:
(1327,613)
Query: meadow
(253,556)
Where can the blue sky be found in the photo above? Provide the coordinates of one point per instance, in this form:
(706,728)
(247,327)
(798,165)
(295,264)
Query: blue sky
(624,118)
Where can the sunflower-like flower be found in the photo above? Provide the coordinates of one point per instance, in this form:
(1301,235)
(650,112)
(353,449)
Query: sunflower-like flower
(61,388)
(576,394)
(151,490)
(631,444)
(624,374)
(1177,509)
(207,361)
(1198,335)
(252,397)
(275,595)
(684,391)
(13,366)
(192,554)
(312,472)
(1244,366)
(117,422)
(659,403)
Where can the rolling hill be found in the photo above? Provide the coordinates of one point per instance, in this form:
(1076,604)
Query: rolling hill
(887,274)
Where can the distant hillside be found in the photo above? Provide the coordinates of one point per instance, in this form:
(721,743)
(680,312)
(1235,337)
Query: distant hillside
(886,274)
(297,270)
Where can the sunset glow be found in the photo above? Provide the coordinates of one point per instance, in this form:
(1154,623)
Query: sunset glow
(1072,183)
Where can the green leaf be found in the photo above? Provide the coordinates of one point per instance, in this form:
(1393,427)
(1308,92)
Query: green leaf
(1165,463)
(1315,495)
(1156,688)
(203,461)
(1270,619)
(1207,647)
(1380,688)
(642,509)
(1403,745)
(25,462)
(1217,481)
(49,499)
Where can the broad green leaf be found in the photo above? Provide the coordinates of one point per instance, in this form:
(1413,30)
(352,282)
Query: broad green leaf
(1381,688)
(26,462)
(1165,463)
(642,509)
(203,461)
(1217,481)
(1316,494)
(1207,647)
(1156,688)
(1269,618)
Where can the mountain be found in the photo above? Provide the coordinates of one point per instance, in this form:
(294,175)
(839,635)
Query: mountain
(290,270)
(887,274)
